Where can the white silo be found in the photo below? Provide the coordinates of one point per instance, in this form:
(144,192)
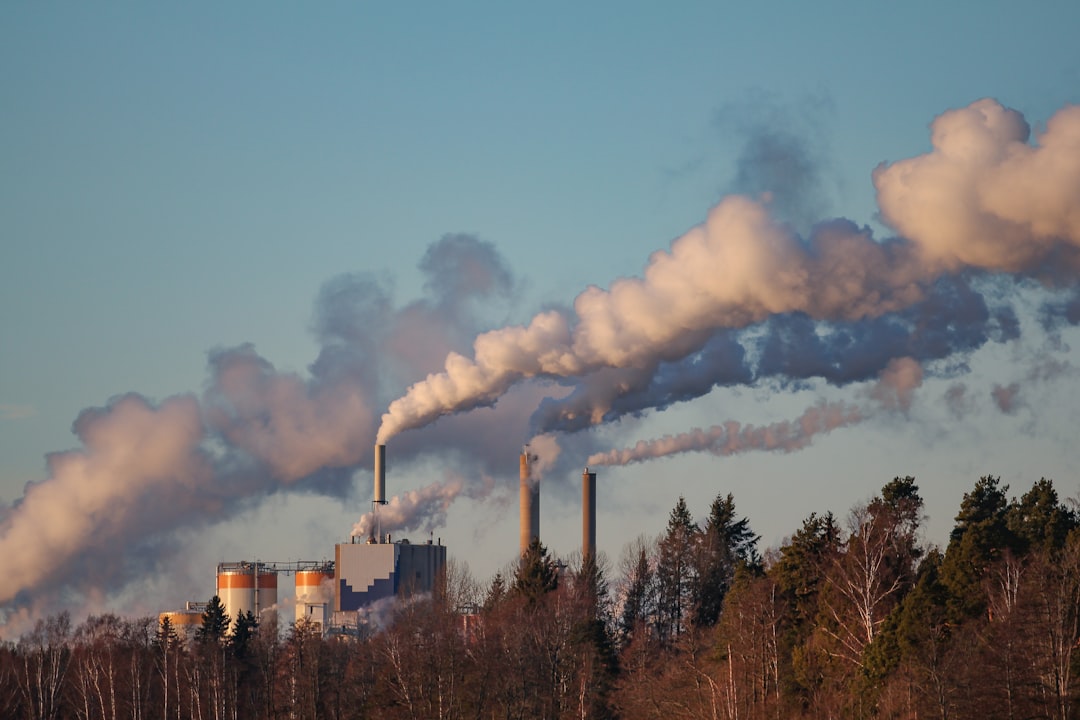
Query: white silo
(314,593)
(246,587)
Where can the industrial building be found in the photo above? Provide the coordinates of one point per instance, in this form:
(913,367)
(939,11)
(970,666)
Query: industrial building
(366,570)
(371,571)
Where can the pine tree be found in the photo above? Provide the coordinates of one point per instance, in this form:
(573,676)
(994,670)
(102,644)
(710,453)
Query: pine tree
(639,597)
(980,537)
(537,573)
(166,640)
(166,636)
(496,592)
(242,633)
(726,543)
(675,572)
(592,638)
(799,576)
(1038,522)
(215,623)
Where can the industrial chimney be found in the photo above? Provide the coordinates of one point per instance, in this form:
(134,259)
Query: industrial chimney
(588,515)
(529,521)
(380,475)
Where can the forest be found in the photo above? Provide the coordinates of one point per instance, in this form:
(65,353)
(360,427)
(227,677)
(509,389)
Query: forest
(856,617)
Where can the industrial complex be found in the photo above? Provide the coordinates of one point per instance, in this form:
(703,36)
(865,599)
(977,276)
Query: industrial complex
(334,595)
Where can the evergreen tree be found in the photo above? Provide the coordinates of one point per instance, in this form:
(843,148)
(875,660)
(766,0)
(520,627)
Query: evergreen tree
(166,640)
(675,572)
(242,634)
(166,636)
(799,576)
(215,623)
(726,543)
(537,573)
(1038,522)
(798,572)
(638,600)
(496,592)
(593,640)
(980,537)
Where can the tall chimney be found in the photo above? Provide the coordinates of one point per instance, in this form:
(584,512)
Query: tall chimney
(529,521)
(588,515)
(380,475)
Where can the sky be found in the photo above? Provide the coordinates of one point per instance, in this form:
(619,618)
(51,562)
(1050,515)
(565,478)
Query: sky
(233,238)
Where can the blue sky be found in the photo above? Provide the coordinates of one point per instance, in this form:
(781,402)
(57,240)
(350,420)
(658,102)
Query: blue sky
(177,180)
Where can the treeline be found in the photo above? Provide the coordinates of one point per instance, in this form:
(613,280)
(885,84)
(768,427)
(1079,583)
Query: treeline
(851,619)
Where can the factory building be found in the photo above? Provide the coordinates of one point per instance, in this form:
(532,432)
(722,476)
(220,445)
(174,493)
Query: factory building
(369,571)
(365,571)
(376,569)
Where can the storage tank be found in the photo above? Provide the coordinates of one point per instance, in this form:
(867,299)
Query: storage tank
(185,622)
(314,593)
(246,587)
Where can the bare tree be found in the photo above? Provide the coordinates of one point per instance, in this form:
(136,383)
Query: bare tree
(45,654)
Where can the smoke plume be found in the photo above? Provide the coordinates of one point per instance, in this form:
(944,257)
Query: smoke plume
(983,200)
(732,437)
(893,392)
(109,512)
(414,510)
(1006,397)
(741,299)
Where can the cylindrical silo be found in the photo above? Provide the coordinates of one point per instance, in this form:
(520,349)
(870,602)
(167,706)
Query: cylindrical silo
(246,587)
(266,591)
(236,588)
(588,515)
(529,520)
(314,593)
(380,474)
(184,622)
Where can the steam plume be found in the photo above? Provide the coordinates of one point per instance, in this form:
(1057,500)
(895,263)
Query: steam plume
(893,391)
(732,437)
(416,509)
(956,210)
(109,512)
(740,299)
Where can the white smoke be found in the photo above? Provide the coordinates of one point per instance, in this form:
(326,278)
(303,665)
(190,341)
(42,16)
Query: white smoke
(893,392)
(732,437)
(423,509)
(955,208)
(139,470)
(896,387)
(984,197)
(1007,397)
(110,511)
